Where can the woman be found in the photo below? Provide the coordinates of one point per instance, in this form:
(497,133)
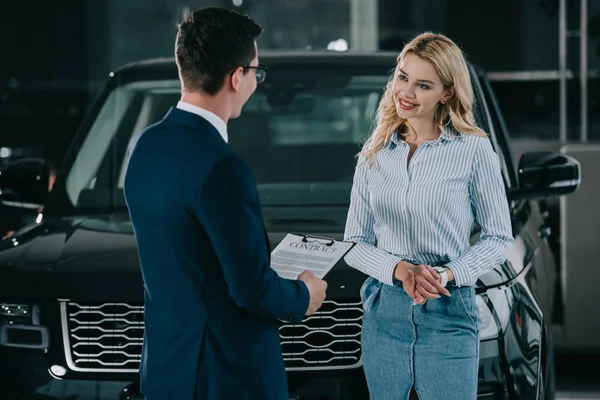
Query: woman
(423,178)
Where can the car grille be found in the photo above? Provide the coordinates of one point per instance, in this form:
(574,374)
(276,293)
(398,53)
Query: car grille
(328,338)
(108,337)
(105,336)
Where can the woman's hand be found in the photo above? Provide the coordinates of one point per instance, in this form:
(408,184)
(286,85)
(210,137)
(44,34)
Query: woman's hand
(422,283)
(410,285)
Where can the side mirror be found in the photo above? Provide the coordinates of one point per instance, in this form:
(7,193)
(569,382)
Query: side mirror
(546,174)
(25,183)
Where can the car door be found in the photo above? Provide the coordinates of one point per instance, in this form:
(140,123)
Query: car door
(529,224)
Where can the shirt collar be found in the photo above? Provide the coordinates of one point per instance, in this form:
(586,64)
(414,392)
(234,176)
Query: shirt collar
(447,135)
(211,117)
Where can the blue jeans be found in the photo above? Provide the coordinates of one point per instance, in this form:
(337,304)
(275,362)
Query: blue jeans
(434,346)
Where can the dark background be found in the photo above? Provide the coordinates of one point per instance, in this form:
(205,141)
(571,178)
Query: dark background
(56,55)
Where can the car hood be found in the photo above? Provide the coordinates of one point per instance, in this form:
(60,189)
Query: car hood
(95,259)
(87,258)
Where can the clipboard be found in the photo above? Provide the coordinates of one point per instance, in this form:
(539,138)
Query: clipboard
(298,252)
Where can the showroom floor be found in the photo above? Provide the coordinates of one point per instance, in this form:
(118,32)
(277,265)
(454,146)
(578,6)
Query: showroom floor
(110,391)
(577,379)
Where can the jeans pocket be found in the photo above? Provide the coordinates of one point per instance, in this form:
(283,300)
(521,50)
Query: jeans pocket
(369,294)
(469,304)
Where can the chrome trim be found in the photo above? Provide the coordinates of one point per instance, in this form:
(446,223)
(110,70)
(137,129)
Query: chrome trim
(354,338)
(70,351)
(569,183)
(343,307)
(313,330)
(294,355)
(323,346)
(21,204)
(67,347)
(358,364)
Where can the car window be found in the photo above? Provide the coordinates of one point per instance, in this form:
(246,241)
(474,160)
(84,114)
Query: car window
(296,137)
(95,148)
(500,130)
(484,117)
(300,133)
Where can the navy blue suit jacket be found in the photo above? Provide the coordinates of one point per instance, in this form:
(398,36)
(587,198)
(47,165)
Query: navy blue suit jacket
(212,301)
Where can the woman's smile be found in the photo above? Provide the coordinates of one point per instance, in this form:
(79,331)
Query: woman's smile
(406,105)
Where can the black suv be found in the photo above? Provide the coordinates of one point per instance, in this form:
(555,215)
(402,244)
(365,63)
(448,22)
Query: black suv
(71,303)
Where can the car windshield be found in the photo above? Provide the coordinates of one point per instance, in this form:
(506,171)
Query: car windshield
(300,132)
(300,135)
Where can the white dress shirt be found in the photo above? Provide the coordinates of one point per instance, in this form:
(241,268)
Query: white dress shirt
(211,117)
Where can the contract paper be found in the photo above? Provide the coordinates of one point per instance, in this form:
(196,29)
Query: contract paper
(297,253)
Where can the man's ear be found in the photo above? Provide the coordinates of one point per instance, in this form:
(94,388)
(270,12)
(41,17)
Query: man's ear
(235,78)
(448,96)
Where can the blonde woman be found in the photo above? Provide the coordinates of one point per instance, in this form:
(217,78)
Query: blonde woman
(423,178)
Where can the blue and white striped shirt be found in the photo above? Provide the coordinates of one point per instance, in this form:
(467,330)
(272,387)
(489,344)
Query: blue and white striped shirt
(424,213)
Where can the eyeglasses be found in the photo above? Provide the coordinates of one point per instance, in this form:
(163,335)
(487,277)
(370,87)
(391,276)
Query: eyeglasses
(261,72)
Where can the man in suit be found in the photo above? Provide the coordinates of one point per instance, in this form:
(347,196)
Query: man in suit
(212,302)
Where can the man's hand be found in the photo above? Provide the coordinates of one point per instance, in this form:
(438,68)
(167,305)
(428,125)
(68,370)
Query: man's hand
(317,289)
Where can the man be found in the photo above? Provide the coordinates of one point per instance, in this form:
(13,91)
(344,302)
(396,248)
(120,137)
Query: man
(212,302)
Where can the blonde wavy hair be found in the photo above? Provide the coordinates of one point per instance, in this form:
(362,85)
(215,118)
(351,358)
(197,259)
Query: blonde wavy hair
(457,113)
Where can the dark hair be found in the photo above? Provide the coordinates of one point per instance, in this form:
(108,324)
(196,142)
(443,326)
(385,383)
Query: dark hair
(210,44)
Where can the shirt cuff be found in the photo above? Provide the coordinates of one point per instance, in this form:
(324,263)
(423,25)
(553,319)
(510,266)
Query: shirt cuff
(388,266)
(461,272)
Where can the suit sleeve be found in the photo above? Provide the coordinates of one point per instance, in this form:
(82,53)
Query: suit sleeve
(229,209)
